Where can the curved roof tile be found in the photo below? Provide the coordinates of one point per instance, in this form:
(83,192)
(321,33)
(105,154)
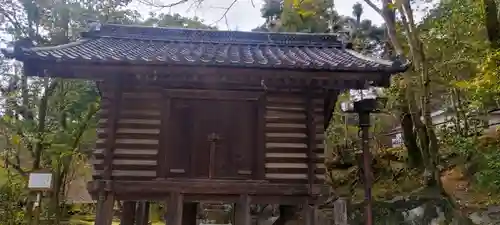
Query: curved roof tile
(138,44)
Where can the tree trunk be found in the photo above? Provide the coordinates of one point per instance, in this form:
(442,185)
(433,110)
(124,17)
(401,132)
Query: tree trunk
(410,140)
(492,22)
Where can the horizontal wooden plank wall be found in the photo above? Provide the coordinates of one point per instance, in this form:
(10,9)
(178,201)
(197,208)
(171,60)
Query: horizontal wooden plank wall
(286,139)
(137,143)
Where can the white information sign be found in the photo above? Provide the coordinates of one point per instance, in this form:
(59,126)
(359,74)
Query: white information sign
(397,141)
(40,181)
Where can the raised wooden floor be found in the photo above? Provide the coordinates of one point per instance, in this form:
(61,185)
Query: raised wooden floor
(209,190)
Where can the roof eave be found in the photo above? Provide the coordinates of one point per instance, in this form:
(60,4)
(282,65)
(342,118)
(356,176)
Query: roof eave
(389,71)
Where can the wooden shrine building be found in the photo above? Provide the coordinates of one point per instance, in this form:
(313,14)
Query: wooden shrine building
(201,115)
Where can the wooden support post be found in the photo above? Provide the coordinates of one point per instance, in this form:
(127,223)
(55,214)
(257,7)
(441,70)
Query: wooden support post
(112,126)
(142,213)
(128,213)
(106,199)
(286,214)
(311,140)
(189,213)
(105,210)
(309,215)
(242,211)
(174,209)
(260,155)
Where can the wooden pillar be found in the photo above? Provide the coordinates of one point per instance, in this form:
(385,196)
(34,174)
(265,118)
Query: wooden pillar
(260,153)
(309,215)
(106,198)
(142,213)
(104,214)
(189,213)
(286,214)
(311,140)
(175,206)
(242,211)
(128,213)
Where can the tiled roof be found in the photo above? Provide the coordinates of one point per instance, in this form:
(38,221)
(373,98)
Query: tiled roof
(174,46)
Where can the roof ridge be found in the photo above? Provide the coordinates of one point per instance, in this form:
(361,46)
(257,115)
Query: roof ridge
(214,30)
(207,35)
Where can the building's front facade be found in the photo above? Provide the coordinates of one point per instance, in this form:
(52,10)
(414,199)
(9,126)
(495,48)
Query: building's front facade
(194,115)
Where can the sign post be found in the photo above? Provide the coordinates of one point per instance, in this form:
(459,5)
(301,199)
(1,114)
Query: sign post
(39,181)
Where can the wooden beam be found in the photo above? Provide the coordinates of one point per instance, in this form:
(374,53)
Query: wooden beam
(113,118)
(105,210)
(213,94)
(142,213)
(175,207)
(311,141)
(287,213)
(216,187)
(309,215)
(330,101)
(260,170)
(242,211)
(273,77)
(128,213)
(220,198)
(165,133)
(189,213)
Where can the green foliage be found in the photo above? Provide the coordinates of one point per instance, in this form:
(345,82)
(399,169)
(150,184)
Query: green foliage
(477,155)
(175,20)
(309,16)
(11,197)
(485,88)
(488,160)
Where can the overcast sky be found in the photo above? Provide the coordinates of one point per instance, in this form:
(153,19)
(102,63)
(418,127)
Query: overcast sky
(243,15)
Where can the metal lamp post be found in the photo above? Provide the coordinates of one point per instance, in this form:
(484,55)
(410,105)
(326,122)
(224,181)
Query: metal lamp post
(364,102)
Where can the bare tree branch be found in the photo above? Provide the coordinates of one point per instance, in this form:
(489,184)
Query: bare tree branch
(227,22)
(374,7)
(16,167)
(151,3)
(225,12)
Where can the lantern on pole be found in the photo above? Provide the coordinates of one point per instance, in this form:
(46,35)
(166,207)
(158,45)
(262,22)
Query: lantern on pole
(364,102)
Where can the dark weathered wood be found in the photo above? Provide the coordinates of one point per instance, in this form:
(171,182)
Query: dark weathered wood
(175,208)
(212,139)
(127,167)
(142,213)
(242,211)
(311,140)
(111,129)
(308,215)
(287,139)
(217,198)
(128,213)
(222,187)
(214,94)
(104,215)
(293,160)
(337,80)
(287,213)
(330,100)
(294,170)
(164,145)
(131,125)
(293,150)
(130,136)
(129,146)
(261,144)
(189,213)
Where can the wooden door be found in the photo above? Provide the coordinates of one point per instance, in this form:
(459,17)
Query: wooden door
(211,138)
